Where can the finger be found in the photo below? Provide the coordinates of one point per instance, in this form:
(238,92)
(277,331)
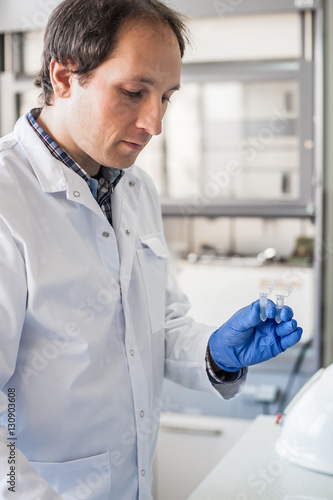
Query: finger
(270,309)
(291,339)
(253,314)
(285,328)
(286,313)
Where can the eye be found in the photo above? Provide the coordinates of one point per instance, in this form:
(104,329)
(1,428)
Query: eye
(166,99)
(133,95)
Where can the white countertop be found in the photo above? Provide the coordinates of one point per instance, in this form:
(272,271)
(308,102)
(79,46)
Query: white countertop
(252,470)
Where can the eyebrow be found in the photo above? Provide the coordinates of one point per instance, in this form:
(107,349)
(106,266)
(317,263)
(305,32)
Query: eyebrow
(151,82)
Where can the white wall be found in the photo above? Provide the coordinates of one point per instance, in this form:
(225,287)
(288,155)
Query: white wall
(25,15)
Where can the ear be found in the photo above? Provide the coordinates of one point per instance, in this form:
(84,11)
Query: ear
(61,79)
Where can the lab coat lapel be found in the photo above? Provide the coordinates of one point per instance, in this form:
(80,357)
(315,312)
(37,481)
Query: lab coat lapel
(78,191)
(125,202)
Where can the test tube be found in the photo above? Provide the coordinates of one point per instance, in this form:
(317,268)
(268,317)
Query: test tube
(263,304)
(279,305)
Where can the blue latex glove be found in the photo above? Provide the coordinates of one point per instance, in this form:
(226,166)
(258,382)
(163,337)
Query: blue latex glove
(245,340)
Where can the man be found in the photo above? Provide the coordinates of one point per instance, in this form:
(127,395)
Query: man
(91,319)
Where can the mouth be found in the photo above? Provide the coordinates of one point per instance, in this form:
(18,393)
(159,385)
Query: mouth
(134,146)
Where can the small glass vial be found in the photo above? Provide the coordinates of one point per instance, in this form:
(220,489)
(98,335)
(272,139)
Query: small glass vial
(279,305)
(263,304)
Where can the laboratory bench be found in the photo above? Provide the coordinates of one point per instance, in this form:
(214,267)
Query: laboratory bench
(253,470)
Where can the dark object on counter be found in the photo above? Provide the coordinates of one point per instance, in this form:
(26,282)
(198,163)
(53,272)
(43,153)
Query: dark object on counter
(304,251)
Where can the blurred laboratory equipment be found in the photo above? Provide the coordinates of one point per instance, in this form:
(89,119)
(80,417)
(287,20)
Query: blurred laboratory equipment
(307,425)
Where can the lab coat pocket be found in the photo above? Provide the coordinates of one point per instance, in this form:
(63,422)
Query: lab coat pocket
(153,262)
(86,478)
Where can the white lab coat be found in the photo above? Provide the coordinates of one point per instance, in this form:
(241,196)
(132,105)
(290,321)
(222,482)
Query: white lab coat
(91,320)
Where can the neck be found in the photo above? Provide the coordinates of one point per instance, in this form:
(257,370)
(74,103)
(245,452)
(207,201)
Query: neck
(55,126)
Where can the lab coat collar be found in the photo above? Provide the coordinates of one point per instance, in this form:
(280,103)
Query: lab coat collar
(48,169)
(52,174)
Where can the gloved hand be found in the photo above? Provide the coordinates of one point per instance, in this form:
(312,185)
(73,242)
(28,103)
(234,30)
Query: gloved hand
(245,340)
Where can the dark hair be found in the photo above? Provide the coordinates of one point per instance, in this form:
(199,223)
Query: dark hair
(84,33)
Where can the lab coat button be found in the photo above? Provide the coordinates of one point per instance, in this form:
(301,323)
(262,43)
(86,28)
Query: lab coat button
(128,232)
(143,472)
(106,234)
(142,414)
(76,194)
(132,352)
(131,183)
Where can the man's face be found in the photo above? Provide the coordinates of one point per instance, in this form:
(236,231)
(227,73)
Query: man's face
(113,116)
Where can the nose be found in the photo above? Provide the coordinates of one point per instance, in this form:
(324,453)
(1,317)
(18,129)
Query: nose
(150,117)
